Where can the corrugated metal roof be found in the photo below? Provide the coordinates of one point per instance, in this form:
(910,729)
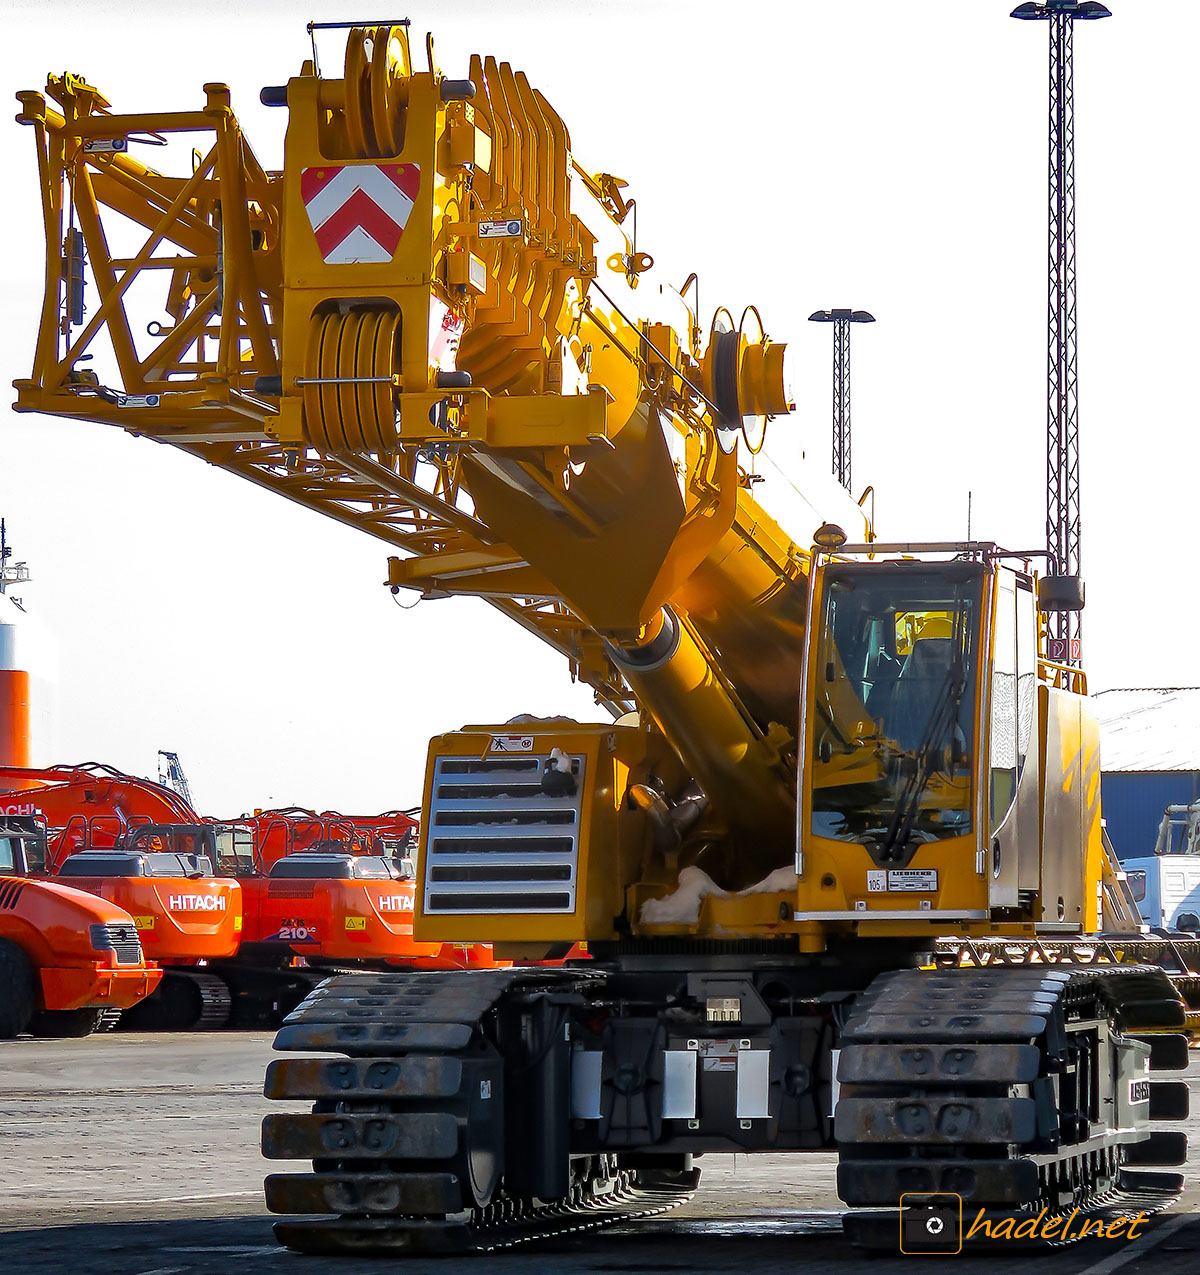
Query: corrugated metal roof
(1149,728)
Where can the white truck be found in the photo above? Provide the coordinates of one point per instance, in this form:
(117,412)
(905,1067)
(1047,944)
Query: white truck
(1166,884)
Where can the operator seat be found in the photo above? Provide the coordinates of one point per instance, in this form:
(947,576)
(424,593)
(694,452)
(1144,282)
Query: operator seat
(921,680)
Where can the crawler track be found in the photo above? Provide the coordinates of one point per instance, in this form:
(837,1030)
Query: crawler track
(1023,1088)
(1178,958)
(597,1201)
(1018,1089)
(406,1133)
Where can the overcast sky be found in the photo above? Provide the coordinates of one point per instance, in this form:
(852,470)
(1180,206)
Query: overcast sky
(799,156)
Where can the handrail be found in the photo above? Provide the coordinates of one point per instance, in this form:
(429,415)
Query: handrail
(1062,677)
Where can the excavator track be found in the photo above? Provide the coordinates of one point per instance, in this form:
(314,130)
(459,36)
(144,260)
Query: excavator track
(215,1001)
(406,1134)
(189,1000)
(1019,1089)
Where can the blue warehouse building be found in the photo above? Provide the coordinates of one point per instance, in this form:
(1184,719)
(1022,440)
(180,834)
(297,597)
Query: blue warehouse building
(1149,759)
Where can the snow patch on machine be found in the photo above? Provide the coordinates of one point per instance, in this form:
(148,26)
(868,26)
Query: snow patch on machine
(695,885)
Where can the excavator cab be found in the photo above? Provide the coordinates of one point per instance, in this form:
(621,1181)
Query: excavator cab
(22,846)
(194,845)
(236,855)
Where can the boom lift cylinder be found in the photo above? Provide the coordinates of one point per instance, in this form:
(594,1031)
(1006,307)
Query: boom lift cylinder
(739,769)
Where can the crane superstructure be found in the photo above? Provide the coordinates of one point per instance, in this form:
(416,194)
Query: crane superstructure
(434,324)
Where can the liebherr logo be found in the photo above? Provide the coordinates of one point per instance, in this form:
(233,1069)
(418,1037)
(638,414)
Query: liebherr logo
(395,903)
(196,903)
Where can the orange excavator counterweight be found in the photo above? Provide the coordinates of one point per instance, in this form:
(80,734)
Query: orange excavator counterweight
(339,888)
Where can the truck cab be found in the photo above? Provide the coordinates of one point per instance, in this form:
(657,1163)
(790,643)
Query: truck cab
(1166,884)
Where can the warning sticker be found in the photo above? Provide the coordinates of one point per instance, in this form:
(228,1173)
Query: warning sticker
(718,1055)
(512,743)
(356,923)
(508,229)
(913,879)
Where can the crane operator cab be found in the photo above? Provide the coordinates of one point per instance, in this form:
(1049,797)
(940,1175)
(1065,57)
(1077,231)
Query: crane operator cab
(896,738)
(925,726)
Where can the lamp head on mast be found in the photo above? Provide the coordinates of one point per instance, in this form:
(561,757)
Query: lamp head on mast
(1076,10)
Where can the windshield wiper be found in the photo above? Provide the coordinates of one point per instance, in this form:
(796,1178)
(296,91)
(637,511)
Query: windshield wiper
(945,712)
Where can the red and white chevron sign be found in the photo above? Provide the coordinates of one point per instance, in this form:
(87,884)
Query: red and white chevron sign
(358,211)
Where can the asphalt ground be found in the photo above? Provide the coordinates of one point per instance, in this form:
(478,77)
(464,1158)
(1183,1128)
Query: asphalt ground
(138,1155)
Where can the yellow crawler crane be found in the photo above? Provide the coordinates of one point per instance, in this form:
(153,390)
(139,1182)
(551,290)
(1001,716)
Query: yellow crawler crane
(825,759)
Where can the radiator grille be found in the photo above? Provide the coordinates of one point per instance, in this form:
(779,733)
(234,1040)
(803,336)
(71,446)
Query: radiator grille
(496,842)
(291,889)
(122,939)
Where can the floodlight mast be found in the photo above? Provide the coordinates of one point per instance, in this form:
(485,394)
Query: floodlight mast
(841,320)
(1063,515)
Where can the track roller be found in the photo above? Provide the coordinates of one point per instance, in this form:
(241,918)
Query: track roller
(186,1000)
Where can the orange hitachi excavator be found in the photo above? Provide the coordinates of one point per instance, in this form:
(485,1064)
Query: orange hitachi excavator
(67,958)
(136,844)
(337,888)
(299,893)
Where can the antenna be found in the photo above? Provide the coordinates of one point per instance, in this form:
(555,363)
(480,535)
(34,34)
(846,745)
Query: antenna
(18,573)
